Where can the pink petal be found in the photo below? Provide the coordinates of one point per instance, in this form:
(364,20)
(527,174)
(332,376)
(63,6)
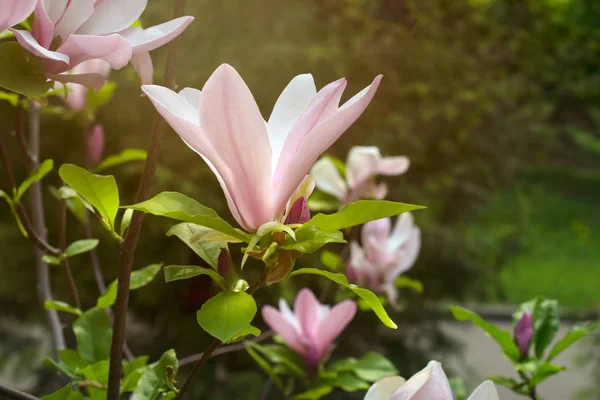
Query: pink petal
(30,44)
(430,383)
(401,232)
(283,328)
(112,48)
(43,27)
(306,308)
(142,63)
(55,8)
(76,13)
(239,148)
(384,388)
(393,165)
(485,391)
(13,12)
(93,81)
(333,324)
(298,158)
(112,16)
(95,145)
(409,253)
(362,164)
(144,40)
(378,229)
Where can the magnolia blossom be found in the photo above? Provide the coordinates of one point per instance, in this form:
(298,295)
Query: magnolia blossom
(76,96)
(524,333)
(312,327)
(362,165)
(260,165)
(13,12)
(385,254)
(68,32)
(429,384)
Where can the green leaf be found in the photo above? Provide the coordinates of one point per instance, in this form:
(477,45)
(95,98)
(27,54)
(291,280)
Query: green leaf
(358,213)
(545,371)
(126,156)
(369,297)
(11,205)
(48,259)
(406,282)
(11,98)
(370,368)
(504,381)
(98,190)
(21,71)
(339,164)
(132,372)
(179,272)
(314,394)
(227,314)
(61,306)
(309,238)
(546,323)
(502,337)
(348,382)
(93,331)
(154,381)
(99,98)
(125,221)
(81,246)
(37,175)
(61,367)
(457,385)
(331,260)
(281,354)
(75,203)
(71,359)
(247,331)
(264,364)
(66,393)
(576,333)
(139,279)
(209,251)
(251,245)
(180,207)
(320,201)
(98,373)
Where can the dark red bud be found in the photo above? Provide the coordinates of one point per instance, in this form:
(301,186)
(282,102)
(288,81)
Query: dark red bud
(299,212)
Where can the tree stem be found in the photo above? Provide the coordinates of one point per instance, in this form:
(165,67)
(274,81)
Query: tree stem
(64,265)
(133,233)
(15,394)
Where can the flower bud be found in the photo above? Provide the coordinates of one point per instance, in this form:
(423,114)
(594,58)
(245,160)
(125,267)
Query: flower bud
(95,145)
(524,333)
(224,263)
(299,212)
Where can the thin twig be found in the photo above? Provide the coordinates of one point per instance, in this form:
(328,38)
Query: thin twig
(26,153)
(64,264)
(15,394)
(267,389)
(133,233)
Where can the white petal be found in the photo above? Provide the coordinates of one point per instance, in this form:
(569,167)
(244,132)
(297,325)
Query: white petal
(362,164)
(485,391)
(289,316)
(156,36)
(111,16)
(55,8)
(328,179)
(384,388)
(192,96)
(401,232)
(292,102)
(76,13)
(173,102)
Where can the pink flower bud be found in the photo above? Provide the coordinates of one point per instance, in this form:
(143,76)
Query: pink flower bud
(299,212)
(95,145)
(524,333)
(224,264)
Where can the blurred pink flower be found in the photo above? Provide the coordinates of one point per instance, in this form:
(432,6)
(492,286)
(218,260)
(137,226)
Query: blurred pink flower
(430,383)
(68,32)
(312,327)
(259,164)
(524,333)
(13,12)
(385,254)
(76,99)
(95,145)
(362,165)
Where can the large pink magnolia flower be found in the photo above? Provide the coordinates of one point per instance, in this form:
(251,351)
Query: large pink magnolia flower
(385,254)
(259,164)
(69,32)
(76,98)
(312,327)
(362,165)
(430,383)
(13,12)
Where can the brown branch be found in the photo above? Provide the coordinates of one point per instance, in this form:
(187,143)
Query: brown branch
(15,394)
(133,233)
(64,264)
(28,159)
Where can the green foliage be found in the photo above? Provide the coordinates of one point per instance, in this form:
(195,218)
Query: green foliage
(158,378)
(546,322)
(139,279)
(97,99)
(366,295)
(11,98)
(310,238)
(370,368)
(576,333)
(179,272)
(81,246)
(225,315)
(21,71)
(62,306)
(209,251)
(37,175)
(406,282)
(93,331)
(124,157)
(331,261)
(66,393)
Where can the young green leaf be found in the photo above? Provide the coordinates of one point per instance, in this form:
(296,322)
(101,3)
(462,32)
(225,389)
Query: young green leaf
(281,354)
(51,260)
(71,359)
(319,201)
(66,393)
(154,381)
(125,221)
(348,382)
(62,368)
(369,297)
(576,333)
(37,175)
(182,208)
(247,331)
(11,98)
(374,366)
(264,364)
(227,314)
(97,373)
(314,394)
(11,205)
(81,246)
(502,337)
(179,272)
(21,71)
(139,279)
(98,98)
(358,213)
(93,331)
(132,372)
(406,282)
(545,371)
(208,251)
(124,157)
(98,190)
(61,306)
(331,261)
(546,323)
(309,238)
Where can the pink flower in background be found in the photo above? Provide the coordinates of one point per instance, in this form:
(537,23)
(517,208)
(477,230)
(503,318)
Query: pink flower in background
(13,12)
(362,165)
(524,333)
(385,254)
(429,384)
(260,165)
(95,145)
(76,98)
(69,32)
(312,327)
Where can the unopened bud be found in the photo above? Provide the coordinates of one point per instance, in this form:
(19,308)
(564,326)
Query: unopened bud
(95,145)
(224,264)
(524,333)
(299,212)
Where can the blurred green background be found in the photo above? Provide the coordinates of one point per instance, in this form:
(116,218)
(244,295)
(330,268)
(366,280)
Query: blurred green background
(496,102)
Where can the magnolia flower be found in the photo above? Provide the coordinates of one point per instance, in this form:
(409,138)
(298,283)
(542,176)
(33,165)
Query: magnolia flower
(362,165)
(69,32)
(95,145)
(76,98)
(260,165)
(385,254)
(13,12)
(312,327)
(429,384)
(524,333)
